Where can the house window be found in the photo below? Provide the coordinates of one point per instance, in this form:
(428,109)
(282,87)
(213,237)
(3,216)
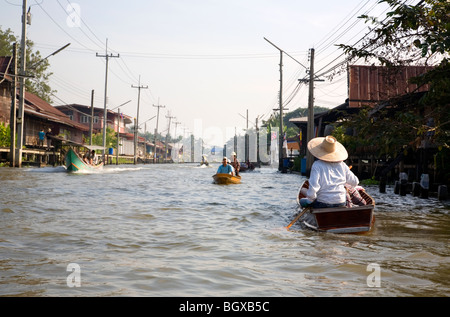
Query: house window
(84,119)
(95,119)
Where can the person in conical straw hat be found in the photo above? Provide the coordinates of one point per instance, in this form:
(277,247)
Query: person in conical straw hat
(329,174)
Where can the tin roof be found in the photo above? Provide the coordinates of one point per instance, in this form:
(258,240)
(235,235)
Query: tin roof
(369,85)
(127,119)
(5,61)
(40,108)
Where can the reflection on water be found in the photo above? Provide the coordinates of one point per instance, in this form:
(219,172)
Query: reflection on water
(167,230)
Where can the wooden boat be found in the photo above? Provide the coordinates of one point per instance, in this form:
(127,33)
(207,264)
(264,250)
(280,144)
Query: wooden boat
(226,179)
(246,167)
(342,219)
(75,163)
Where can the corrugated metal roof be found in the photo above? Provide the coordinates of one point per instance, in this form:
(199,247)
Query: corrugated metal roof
(5,61)
(369,85)
(38,107)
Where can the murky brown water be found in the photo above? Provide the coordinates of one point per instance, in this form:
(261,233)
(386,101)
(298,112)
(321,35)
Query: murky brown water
(167,230)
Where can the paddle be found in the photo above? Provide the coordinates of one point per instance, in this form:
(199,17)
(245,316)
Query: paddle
(298,217)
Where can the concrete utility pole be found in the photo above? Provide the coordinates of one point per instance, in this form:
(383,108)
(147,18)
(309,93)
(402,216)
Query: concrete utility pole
(280,166)
(91,124)
(156,129)
(118,134)
(136,128)
(280,137)
(12,121)
(105,115)
(310,127)
(175,135)
(23,59)
(167,137)
(247,145)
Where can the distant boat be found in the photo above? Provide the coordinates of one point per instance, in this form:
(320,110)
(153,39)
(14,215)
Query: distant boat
(225,179)
(75,164)
(246,167)
(340,219)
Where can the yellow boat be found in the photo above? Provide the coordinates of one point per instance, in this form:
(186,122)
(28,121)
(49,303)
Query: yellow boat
(226,179)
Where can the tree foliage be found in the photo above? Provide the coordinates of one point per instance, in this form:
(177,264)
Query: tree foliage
(5,135)
(37,66)
(110,140)
(290,128)
(409,35)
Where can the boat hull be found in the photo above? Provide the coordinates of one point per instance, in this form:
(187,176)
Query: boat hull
(341,220)
(75,164)
(225,179)
(357,219)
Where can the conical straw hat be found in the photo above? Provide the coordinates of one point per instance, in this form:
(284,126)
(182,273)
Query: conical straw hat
(327,149)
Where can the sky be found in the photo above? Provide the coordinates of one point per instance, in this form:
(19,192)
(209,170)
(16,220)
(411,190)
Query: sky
(207,63)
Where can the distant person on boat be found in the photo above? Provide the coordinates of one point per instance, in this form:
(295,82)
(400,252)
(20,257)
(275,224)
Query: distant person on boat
(225,168)
(235,163)
(329,174)
(93,158)
(90,158)
(204,160)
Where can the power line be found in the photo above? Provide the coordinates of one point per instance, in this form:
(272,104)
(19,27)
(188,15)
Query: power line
(107,57)
(79,17)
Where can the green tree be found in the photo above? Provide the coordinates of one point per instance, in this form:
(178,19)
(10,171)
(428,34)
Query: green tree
(111,138)
(36,65)
(290,128)
(5,135)
(410,35)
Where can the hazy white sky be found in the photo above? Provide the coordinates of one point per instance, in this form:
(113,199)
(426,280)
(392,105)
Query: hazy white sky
(206,61)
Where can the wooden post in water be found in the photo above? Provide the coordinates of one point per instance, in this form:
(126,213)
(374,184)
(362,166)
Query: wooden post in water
(442,192)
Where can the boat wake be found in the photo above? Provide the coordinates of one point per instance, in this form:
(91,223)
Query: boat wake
(48,169)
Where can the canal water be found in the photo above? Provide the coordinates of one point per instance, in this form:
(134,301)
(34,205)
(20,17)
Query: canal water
(167,230)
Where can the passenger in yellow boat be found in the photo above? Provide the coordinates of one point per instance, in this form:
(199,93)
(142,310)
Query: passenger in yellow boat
(225,168)
(329,174)
(235,163)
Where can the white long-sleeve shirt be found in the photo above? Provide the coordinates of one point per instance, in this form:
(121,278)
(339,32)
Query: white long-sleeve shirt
(327,180)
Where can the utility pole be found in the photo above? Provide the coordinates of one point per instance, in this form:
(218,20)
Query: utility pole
(136,129)
(167,138)
(91,125)
(107,57)
(258,158)
(118,134)
(280,145)
(310,126)
(12,121)
(20,116)
(247,143)
(280,137)
(175,135)
(156,129)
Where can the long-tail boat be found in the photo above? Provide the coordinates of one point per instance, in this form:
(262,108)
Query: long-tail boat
(353,219)
(224,179)
(74,163)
